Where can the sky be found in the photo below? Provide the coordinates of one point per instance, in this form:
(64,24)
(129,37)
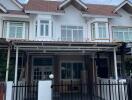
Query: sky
(110,2)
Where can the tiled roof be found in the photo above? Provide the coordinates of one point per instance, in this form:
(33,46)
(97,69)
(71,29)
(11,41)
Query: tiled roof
(41,5)
(101,9)
(52,6)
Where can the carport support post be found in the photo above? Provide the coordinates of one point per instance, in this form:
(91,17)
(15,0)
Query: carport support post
(7,64)
(115,64)
(16,66)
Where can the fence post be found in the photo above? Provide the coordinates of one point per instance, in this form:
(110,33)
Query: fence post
(9,90)
(44,90)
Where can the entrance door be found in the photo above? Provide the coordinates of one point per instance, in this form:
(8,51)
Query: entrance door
(42,68)
(102,67)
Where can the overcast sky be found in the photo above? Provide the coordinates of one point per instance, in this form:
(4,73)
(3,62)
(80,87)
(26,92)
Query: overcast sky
(111,2)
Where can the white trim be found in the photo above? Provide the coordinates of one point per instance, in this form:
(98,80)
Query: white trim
(23,30)
(82,4)
(42,12)
(49,29)
(64,3)
(19,5)
(14,15)
(67,1)
(99,16)
(97,31)
(3,9)
(122,4)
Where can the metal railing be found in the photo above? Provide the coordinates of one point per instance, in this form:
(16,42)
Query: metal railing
(23,91)
(96,91)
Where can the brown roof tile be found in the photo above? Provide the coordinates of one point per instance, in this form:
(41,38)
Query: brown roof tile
(41,5)
(101,9)
(52,6)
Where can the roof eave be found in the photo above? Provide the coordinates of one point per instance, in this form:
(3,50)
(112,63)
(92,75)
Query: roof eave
(3,9)
(44,12)
(121,5)
(14,15)
(68,1)
(100,16)
(18,4)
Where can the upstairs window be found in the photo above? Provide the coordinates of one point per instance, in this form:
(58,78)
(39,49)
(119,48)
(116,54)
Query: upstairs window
(44,28)
(100,30)
(71,33)
(123,34)
(14,30)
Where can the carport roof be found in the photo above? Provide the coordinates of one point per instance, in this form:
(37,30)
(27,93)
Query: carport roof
(59,46)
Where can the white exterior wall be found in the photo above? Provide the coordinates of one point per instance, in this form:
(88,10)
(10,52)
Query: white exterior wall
(72,17)
(32,22)
(125,20)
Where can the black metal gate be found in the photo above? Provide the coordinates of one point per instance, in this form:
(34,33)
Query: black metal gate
(115,90)
(23,91)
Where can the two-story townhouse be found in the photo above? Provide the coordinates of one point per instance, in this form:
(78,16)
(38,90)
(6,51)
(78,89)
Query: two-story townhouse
(55,37)
(70,39)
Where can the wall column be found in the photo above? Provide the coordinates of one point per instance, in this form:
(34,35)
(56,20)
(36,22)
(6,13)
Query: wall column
(16,66)
(7,64)
(115,64)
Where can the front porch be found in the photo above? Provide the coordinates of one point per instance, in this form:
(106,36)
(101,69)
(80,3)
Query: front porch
(79,62)
(75,67)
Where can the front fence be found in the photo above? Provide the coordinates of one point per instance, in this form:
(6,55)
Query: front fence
(23,91)
(101,90)
(110,90)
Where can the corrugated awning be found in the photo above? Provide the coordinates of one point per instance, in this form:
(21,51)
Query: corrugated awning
(59,46)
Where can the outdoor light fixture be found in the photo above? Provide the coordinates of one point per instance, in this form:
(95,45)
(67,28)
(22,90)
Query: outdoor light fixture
(51,76)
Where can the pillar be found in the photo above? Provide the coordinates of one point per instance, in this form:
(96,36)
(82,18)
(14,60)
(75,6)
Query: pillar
(16,66)
(7,64)
(115,64)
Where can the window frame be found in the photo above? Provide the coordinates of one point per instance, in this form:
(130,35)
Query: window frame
(95,36)
(44,28)
(35,66)
(71,62)
(38,28)
(124,27)
(79,28)
(7,24)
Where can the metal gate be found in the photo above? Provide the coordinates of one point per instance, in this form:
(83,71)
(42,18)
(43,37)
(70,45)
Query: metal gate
(23,91)
(97,91)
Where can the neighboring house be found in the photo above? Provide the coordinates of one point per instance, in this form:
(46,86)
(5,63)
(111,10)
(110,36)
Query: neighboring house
(70,39)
